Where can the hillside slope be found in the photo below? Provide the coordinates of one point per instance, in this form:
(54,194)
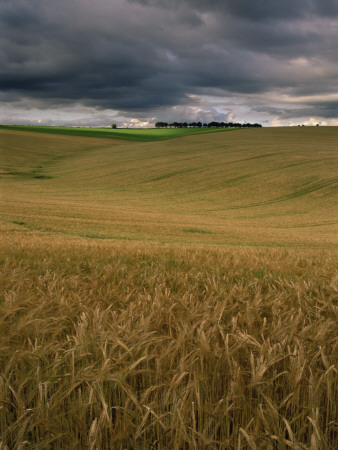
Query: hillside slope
(249,187)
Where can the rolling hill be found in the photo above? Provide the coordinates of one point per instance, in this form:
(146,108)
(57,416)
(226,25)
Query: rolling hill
(246,187)
(142,304)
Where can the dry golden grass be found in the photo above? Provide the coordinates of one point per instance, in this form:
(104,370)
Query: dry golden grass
(134,346)
(127,320)
(244,187)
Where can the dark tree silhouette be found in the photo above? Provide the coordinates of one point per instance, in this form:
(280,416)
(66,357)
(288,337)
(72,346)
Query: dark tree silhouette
(212,124)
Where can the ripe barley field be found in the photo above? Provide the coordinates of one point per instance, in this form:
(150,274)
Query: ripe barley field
(169,295)
(107,345)
(242,187)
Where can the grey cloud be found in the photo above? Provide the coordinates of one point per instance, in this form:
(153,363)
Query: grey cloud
(258,10)
(316,110)
(139,56)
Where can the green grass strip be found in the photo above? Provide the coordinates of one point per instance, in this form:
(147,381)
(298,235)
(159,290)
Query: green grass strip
(129,134)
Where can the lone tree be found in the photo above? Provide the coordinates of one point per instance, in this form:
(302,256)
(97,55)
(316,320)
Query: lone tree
(113,125)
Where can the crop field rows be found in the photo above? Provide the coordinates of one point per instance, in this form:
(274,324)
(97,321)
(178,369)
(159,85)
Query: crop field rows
(175,294)
(244,187)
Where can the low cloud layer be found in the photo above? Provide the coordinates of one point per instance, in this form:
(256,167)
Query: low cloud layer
(151,60)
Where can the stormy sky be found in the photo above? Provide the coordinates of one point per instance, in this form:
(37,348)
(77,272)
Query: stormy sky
(133,62)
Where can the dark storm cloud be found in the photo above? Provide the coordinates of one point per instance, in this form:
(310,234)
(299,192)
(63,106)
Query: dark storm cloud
(258,10)
(139,55)
(322,109)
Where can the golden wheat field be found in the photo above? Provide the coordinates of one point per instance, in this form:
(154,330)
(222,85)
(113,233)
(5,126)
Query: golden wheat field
(169,295)
(243,187)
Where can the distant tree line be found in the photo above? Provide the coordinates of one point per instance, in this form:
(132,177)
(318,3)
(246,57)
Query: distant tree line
(206,125)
